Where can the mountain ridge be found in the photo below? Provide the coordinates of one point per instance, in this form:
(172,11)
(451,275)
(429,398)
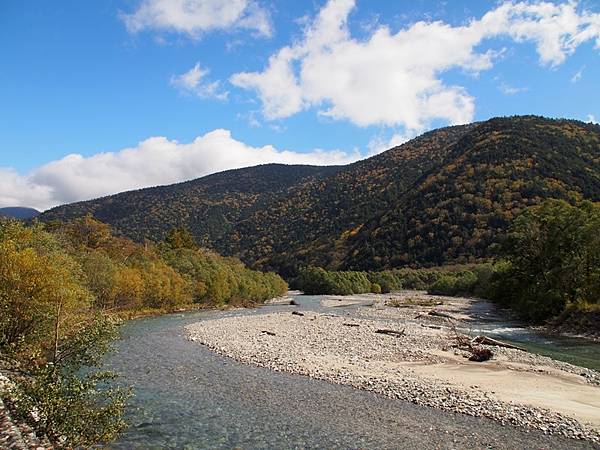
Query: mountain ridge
(445,196)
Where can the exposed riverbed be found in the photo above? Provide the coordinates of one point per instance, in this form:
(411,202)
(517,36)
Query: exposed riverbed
(190,397)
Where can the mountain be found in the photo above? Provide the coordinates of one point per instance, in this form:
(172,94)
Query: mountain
(446,196)
(18,212)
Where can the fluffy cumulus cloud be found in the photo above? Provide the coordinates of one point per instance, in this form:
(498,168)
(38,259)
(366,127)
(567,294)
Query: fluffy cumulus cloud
(195,17)
(194,82)
(155,161)
(395,78)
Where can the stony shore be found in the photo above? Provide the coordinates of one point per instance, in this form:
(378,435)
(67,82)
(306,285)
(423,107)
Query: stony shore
(14,435)
(419,364)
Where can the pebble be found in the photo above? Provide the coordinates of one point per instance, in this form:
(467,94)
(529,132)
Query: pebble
(308,347)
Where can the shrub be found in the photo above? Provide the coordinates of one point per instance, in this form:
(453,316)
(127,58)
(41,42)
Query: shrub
(375,288)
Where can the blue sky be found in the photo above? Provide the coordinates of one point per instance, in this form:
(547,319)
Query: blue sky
(285,81)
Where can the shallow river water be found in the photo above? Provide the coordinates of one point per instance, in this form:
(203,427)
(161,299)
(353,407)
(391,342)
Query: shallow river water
(495,323)
(187,397)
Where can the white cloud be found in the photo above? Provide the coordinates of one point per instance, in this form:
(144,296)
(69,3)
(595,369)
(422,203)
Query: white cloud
(18,190)
(193,82)
(152,162)
(276,86)
(592,119)
(394,79)
(380,144)
(578,75)
(507,89)
(195,17)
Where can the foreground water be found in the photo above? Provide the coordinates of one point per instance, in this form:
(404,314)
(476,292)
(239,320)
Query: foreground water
(190,398)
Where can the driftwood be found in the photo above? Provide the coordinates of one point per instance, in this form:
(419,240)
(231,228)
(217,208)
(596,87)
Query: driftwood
(489,341)
(440,314)
(268,333)
(480,354)
(435,327)
(351,324)
(391,332)
(296,313)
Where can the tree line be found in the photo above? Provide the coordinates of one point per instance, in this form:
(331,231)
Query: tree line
(318,281)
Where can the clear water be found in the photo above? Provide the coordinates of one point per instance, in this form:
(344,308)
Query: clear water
(187,397)
(495,323)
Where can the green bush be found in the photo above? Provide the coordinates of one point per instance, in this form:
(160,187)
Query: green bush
(316,281)
(75,407)
(445,285)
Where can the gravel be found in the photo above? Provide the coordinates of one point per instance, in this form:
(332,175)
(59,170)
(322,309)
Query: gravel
(346,350)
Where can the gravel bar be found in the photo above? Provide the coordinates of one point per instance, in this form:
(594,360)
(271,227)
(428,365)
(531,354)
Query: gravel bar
(412,366)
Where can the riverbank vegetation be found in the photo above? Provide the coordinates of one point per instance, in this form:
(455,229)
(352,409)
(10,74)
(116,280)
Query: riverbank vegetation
(318,281)
(62,287)
(551,261)
(547,267)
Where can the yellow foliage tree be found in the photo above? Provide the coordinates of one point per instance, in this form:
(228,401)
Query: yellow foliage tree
(41,299)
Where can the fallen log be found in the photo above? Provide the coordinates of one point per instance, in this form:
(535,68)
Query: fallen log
(296,313)
(391,332)
(489,341)
(435,327)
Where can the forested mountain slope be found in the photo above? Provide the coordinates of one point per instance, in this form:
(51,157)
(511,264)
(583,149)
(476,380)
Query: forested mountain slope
(19,212)
(493,172)
(211,207)
(446,196)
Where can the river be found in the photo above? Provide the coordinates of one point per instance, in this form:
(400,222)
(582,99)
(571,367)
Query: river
(187,397)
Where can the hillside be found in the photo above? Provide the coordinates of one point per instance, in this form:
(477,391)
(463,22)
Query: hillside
(446,196)
(211,207)
(18,212)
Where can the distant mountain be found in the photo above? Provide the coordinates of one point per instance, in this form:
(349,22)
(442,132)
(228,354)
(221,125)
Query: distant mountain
(446,196)
(18,212)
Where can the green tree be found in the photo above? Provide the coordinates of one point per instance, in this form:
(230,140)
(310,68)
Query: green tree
(75,407)
(552,259)
(181,237)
